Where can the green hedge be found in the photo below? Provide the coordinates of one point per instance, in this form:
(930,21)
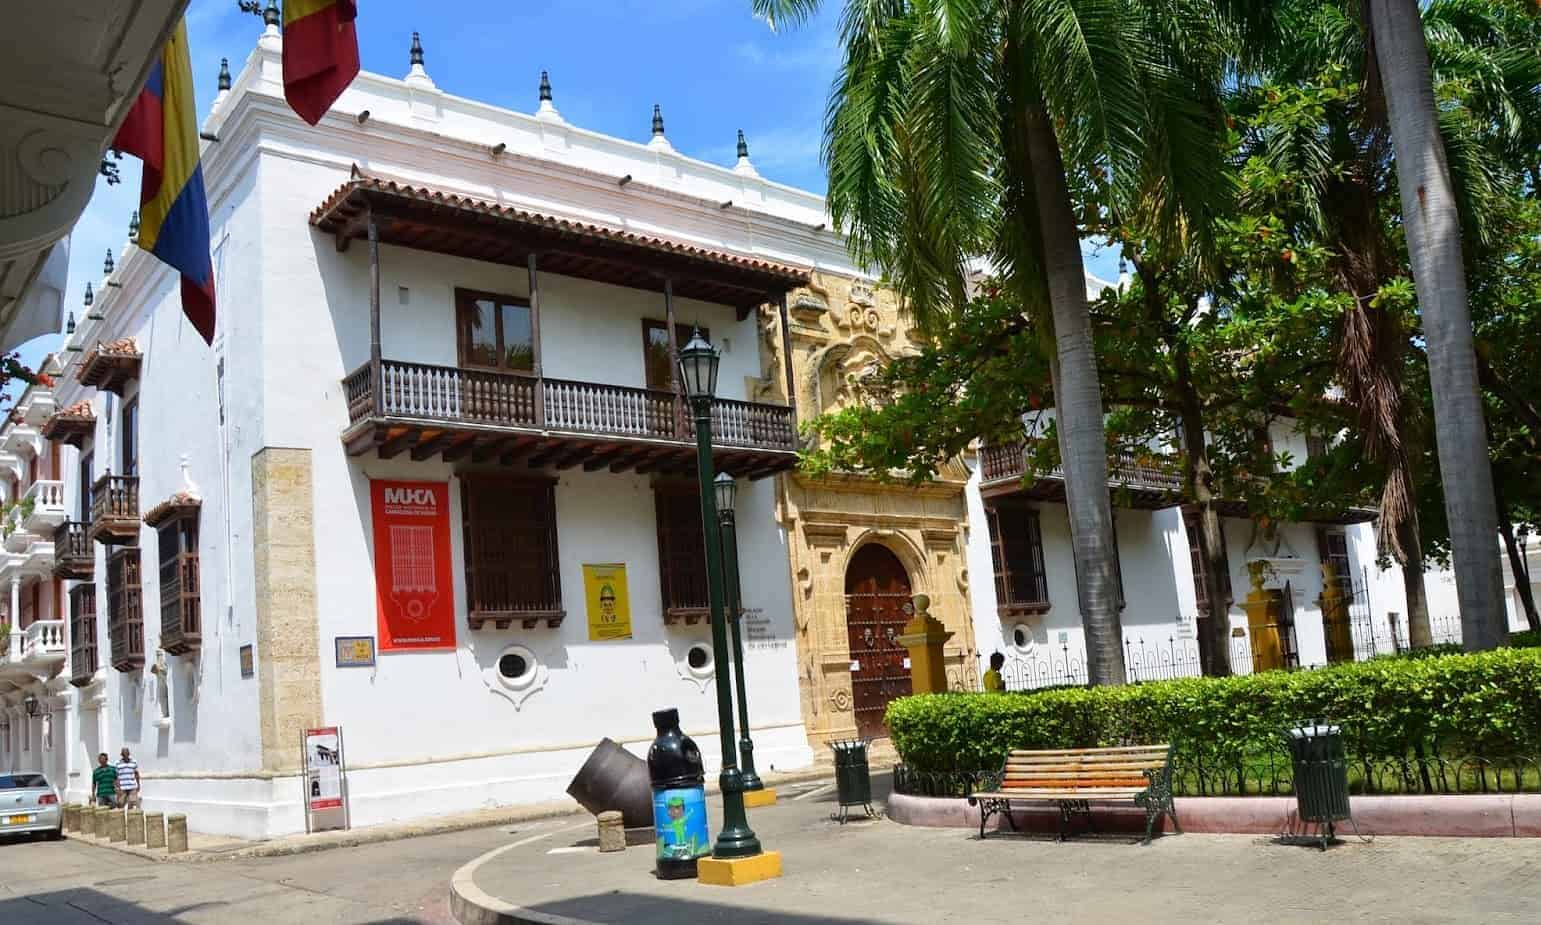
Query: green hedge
(1484,704)
(1527,638)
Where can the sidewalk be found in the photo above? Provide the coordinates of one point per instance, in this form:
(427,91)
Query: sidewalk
(203,847)
(881,872)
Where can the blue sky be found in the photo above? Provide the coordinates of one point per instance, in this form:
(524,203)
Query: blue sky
(710,64)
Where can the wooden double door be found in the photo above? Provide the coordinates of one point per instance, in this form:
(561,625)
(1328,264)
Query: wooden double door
(877,605)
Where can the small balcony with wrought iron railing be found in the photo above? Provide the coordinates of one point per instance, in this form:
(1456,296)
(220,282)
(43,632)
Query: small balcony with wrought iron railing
(455,412)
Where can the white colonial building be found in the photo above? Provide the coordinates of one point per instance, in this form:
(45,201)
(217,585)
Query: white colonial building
(432,459)
(1029,611)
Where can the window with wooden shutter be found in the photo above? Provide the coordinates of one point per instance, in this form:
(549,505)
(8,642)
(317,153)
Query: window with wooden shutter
(511,563)
(1016,550)
(681,552)
(83,657)
(125,616)
(1196,555)
(181,606)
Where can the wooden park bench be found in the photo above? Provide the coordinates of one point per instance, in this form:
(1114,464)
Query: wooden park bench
(1075,778)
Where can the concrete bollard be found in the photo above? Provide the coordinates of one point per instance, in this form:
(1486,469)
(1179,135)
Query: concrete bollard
(72,817)
(155,830)
(88,820)
(114,830)
(612,831)
(176,833)
(135,824)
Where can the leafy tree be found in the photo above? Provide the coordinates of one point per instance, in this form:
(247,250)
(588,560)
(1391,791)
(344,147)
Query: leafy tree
(960,128)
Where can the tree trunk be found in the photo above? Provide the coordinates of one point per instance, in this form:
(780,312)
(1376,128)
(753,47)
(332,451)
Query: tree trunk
(1434,243)
(1077,406)
(1215,631)
(1420,635)
(1517,565)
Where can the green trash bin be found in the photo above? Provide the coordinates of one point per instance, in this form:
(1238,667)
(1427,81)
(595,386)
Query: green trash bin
(1321,774)
(853,777)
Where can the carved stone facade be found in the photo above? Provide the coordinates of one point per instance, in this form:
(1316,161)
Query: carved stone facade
(841,329)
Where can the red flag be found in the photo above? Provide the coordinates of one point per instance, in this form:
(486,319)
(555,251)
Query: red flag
(320,54)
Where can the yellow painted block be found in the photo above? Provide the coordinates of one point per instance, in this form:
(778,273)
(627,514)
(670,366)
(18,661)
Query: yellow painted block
(753,798)
(739,871)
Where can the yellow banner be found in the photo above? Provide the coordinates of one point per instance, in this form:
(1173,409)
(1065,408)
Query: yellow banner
(604,587)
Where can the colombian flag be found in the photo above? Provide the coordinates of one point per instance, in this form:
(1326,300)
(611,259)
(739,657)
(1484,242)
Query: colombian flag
(162,131)
(320,54)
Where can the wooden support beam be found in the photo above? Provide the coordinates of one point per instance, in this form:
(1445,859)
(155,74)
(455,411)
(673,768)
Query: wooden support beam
(427,448)
(667,461)
(460,448)
(629,460)
(364,441)
(602,458)
(393,446)
(485,449)
(574,456)
(547,456)
(528,448)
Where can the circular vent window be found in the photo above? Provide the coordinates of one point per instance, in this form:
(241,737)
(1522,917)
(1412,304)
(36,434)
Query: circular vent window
(698,660)
(517,667)
(513,666)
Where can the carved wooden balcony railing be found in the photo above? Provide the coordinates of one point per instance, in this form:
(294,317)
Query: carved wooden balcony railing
(74,556)
(1150,479)
(432,409)
(115,510)
(181,618)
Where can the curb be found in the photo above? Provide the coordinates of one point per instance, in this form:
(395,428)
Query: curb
(469,904)
(1464,816)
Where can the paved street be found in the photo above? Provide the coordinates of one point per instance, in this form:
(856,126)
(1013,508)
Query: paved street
(400,882)
(863,874)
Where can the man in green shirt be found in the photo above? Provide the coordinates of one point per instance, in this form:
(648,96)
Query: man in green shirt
(104,780)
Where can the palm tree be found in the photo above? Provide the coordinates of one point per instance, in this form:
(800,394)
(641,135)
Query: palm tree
(959,128)
(1433,232)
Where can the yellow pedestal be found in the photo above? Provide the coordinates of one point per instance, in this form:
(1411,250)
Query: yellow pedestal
(924,637)
(753,798)
(739,871)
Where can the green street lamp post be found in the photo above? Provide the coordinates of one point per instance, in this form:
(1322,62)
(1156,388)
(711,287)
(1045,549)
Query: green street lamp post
(727,491)
(698,369)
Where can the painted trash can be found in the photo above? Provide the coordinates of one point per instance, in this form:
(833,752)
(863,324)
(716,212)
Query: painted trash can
(853,777)
(679,798)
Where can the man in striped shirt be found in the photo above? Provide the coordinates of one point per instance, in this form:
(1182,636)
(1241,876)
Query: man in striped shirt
(128,782)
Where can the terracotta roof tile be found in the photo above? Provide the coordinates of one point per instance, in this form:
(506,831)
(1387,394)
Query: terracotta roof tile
(81,410)
(182,501)
(324,217)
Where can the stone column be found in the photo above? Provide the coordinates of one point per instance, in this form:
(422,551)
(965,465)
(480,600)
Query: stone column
(154,830)
(176,833)
(114,830)
(925,636)
(135,825)
(288,644)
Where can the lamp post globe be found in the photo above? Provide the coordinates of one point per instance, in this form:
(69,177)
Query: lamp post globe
(698,361)
(698,367)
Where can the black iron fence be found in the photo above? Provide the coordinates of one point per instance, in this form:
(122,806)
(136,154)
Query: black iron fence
(1271,774)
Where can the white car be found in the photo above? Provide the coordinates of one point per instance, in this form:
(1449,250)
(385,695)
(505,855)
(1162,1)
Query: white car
(29,804)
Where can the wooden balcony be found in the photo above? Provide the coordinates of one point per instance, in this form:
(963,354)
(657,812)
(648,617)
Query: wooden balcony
(1147,481)
(457,413)
(74,556)
(181,619)
(115,510)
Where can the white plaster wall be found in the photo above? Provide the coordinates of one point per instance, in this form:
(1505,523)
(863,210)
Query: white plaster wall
(212,732)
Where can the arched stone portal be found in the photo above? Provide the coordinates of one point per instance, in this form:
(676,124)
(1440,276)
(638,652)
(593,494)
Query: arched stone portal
(877,601)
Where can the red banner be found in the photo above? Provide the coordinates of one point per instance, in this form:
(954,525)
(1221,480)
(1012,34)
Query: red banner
(414,593)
